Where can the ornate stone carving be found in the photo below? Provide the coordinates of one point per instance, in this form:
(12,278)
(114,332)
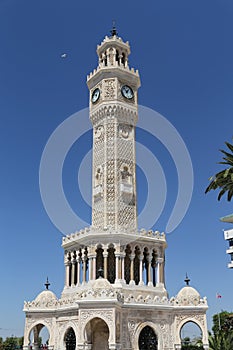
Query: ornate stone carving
(105,314)
(109,89)
(199,317)
(164,327)
(125,131)
(124,115)
(132,324)
(98,131)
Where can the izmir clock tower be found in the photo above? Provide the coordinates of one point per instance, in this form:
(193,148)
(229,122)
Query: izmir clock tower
(114,297)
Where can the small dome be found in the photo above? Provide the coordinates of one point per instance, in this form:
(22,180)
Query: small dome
(101,283)
(45,297)
(188,296)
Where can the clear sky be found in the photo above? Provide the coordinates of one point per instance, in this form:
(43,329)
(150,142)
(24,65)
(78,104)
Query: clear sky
(183,50)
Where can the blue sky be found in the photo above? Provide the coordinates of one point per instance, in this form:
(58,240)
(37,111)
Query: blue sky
(183,50)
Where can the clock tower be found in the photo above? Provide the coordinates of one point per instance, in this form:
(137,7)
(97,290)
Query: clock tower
(114,295)
(114,112)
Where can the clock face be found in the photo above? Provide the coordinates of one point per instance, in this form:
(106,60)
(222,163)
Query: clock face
(95,95)
(127,92)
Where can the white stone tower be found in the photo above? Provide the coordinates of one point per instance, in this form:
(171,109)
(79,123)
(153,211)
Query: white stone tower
(114,295)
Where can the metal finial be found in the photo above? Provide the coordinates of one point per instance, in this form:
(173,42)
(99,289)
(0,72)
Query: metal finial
(47,284)
(113,31)
(100,272)
(187,280)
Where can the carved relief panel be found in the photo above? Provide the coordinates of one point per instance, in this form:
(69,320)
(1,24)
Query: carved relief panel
(125,131)
(109,89)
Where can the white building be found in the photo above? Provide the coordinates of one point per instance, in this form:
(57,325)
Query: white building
(228,236)
(114,295)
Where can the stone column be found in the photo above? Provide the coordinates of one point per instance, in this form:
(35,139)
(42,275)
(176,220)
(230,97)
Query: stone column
(149,259)
(120,59)
(132,256)
(117,266)
(67,265)
(162,272)
(73,272)
(141,283)
(105,255)
(158,275)
(90,267)
(123,267)
(94,268)
(78,271)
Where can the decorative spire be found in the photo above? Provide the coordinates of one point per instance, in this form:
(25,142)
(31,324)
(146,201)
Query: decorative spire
(113,31)
(187,280)
(47,284)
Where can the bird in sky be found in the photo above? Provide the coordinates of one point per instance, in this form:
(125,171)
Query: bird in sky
(63,55)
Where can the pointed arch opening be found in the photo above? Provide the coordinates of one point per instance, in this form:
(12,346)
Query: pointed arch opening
(111,263)
(99,260)
(127,263)
(96,334)
(153,266)
(191,336)
(70,339)
(39,337)
(145,265)
(147,339)
(123,59)
(137,265)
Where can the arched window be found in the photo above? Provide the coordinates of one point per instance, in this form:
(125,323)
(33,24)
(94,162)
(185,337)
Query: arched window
(137,265)
(97,334)
(153,265)
(117,56)
(39,336)
(127,264)
(145,266)
(105,59)
(191,335)
(123,58)
(70,339)
(99,262)
(111,263)
(148,339)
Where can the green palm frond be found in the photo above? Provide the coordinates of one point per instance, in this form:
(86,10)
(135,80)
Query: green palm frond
(230,146)
(223,180)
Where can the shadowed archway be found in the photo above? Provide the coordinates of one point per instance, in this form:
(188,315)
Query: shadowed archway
(147,339)
(97,334)
(70,339)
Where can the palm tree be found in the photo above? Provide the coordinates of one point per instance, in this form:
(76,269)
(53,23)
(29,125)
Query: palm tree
(224,179)
(216,342)
(221,341)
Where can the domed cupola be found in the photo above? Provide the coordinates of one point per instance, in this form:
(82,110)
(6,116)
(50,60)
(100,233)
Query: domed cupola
(188,295)
(46,297)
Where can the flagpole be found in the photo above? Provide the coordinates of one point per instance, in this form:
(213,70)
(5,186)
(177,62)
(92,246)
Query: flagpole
(219,322)
(218,296)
